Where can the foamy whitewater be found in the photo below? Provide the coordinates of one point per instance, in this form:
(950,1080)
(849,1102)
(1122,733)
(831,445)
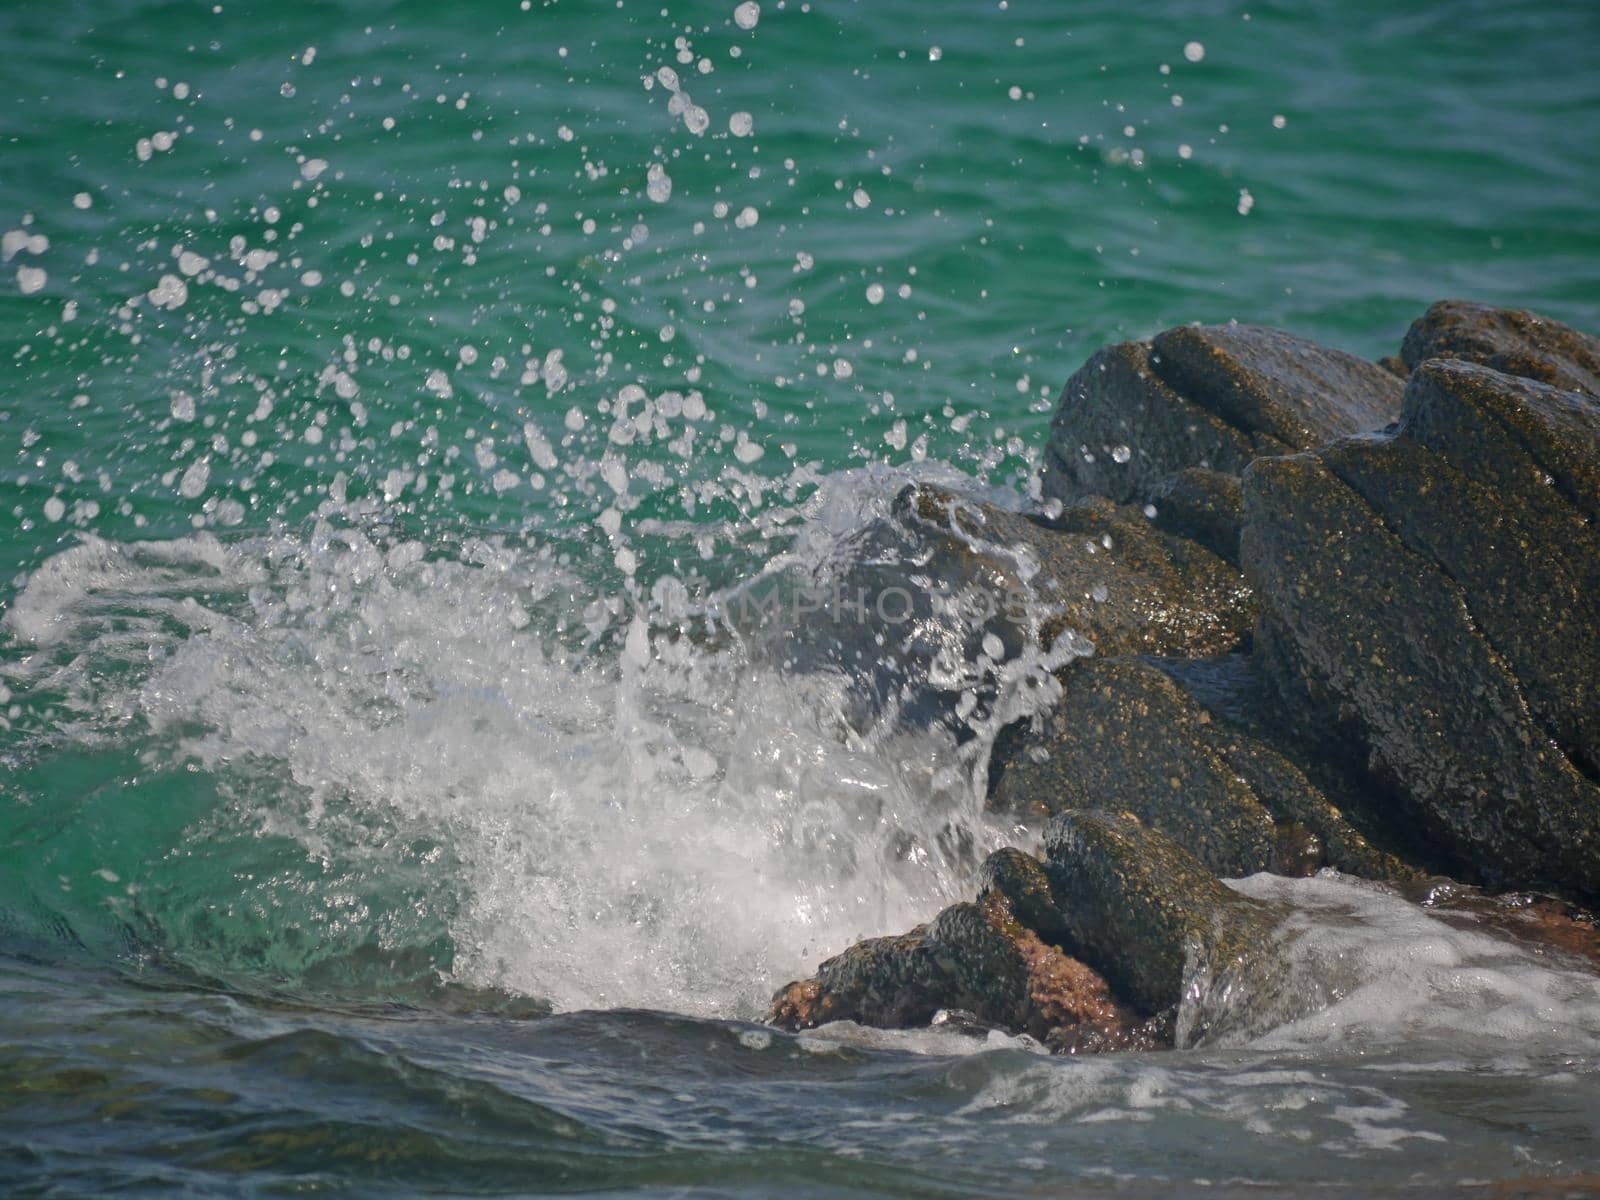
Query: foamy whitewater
(663,826)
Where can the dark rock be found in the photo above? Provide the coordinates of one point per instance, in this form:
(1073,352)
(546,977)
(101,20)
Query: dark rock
(1531,580)
(1019,877)
(978,960)
(1382,643)
(1214,397)
(1204,506)
(1119,429)
(1265,381)
(1114,578)
(1511,340)
(927,597)
(1126,736)
(957,960)
(1142,911)
(1529,443)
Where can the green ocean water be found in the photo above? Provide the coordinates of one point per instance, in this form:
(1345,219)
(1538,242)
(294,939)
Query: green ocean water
(378,378)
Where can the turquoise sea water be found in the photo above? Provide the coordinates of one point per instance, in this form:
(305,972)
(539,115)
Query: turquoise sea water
(381,380)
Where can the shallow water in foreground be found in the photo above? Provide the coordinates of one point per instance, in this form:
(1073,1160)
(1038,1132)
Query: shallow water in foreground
(1449,1060)
(392,393)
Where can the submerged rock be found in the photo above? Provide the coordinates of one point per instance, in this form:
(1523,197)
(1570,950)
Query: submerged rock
(1214,397)
(1510,340)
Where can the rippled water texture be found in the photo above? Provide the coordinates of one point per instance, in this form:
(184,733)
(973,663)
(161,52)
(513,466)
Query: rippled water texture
(384,384)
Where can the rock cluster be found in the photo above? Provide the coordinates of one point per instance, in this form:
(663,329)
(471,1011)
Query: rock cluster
(1339,614)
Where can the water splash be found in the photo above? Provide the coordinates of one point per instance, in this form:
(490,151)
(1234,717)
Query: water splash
(662,822)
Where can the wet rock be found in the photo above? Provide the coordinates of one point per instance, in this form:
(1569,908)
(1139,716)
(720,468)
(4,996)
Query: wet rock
(1204,506)
(1530,578)
(1268,382)
(958,960)
(1313,797)
(1020,878)
(1529,443)
(1097,570)
(1536,922)
(1119,429)
(1125,736)
(1214,397)
(1142,911)
(1382,643)
(931,600)
(1510,340)
(979,960)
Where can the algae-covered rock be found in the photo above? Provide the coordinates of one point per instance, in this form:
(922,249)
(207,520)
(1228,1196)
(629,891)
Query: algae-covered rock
(983,960)
(1382,642)
(958,960)
(1510,340)
(1143,911)
(1020,878)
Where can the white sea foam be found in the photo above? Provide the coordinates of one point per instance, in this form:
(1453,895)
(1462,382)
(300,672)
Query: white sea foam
(1359,965)
(668,827)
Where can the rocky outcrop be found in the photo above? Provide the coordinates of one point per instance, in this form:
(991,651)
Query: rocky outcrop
(1212,396)
(983,962)
(1448,628)
(1510,340)
(1115,910)
(1416,548)
(1142,910)
(1125,735)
